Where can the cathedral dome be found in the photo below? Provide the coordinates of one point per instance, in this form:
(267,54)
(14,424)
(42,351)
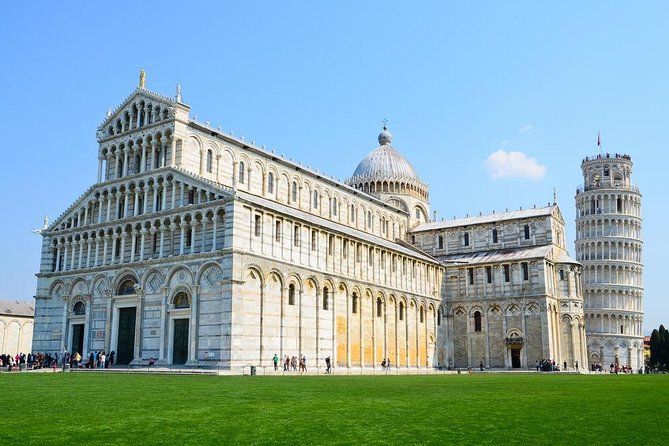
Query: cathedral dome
(384,163)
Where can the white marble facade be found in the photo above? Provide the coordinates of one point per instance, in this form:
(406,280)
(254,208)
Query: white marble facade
(196,247)
(511,294)
(609,245)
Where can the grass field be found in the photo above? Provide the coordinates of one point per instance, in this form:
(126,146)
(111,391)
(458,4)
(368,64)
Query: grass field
(490,409)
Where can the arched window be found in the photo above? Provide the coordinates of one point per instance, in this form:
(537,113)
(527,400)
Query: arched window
(441,242)
(494,235)
(354,303)
(352,213)
(477,321)
(315,200)
(242,171)
(401,311)
(417,214)
(466,238)
(270,183)
(561,274)
(620,204)
(294,192)
(210,161)
(79,309)
(181,300)
(438,318)
(379,307)
(291,294)
(422,315)
(334,206)
(369,219)
(326,297)
(526,230)
(127,287)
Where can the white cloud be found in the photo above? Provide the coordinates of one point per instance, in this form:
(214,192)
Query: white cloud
(502,164)
(524,129)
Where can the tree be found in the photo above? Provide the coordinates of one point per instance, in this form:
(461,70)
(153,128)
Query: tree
(659,348)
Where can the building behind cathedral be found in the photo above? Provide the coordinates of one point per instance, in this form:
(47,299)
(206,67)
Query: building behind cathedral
(196,247)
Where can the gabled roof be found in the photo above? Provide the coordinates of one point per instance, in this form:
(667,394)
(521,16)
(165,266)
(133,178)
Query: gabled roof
(512,255)
(139,92)
(491,218)
(17,308)
(336,227)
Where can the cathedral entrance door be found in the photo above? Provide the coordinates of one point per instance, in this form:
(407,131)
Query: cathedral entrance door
(125,349)
(77,339)
(180,341)
(515,358)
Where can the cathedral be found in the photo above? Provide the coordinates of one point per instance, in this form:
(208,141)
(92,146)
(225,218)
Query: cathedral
(196,247)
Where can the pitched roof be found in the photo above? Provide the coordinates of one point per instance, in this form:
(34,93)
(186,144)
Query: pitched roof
(490,218)
(510,255)
(316,220)
(17,308)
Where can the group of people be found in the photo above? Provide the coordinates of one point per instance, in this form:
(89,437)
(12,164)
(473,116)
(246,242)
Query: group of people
(95,360)
(298,364)
(291,363)
(549,365)
(99,360)
(614,368)
(28,361)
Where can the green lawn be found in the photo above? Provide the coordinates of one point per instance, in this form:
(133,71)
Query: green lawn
(68,408)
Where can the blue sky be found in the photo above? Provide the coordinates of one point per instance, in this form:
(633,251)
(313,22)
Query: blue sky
(314,81)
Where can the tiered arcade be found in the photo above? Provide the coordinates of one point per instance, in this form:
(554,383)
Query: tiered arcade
(608,244)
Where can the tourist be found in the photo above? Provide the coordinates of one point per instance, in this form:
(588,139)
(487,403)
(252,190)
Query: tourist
(276,362)
(286,363)
(383,364)
(327,365)
(388,364)
(112,355)
(103,359)
(481,366)
(564,364)
(293,363)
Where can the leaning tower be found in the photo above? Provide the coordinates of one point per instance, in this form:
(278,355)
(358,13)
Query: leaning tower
(608,244)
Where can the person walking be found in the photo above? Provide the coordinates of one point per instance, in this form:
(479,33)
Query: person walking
(276,362)
(327,366)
